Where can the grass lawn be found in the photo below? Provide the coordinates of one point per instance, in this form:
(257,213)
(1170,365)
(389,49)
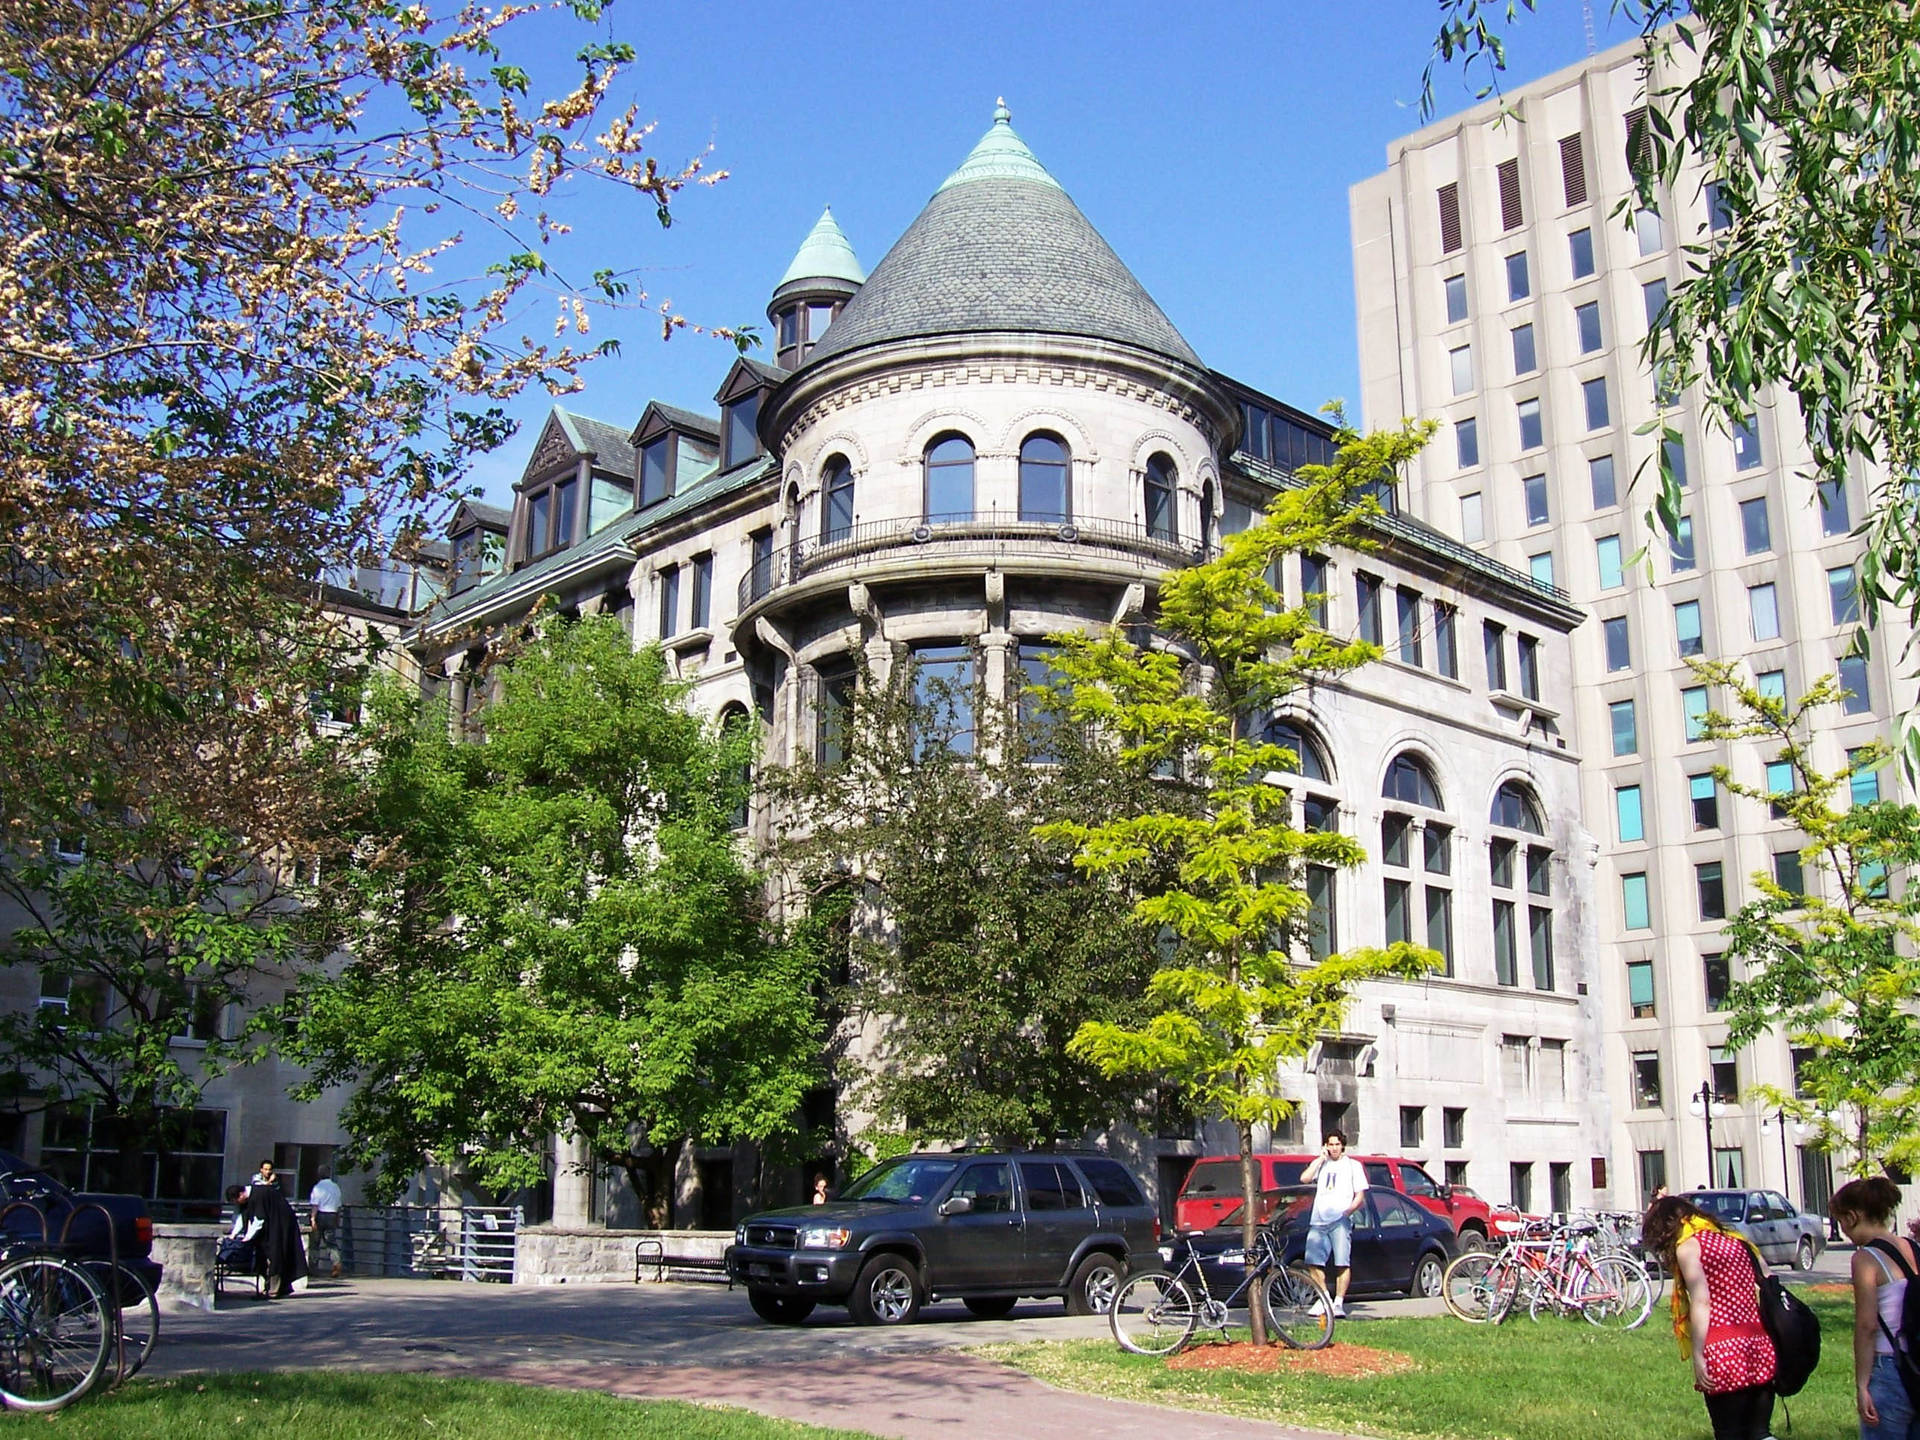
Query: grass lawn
(354,1406)
(1555,1380)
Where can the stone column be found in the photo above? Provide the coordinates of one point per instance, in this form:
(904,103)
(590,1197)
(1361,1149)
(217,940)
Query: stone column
(572,1184)
(455,667)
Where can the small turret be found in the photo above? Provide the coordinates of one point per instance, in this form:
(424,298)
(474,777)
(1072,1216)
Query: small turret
(823,276)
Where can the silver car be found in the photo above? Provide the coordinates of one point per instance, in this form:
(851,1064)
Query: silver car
(1784,1235)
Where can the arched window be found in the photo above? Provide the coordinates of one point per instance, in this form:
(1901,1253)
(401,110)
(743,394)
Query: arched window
(1313,760)
(949,482)
(1162,518)
(1416,853)
(836,500)
(1409,780)
(1043,479)
(1514,809)
(1521,874)
(1210,521)
(736,725)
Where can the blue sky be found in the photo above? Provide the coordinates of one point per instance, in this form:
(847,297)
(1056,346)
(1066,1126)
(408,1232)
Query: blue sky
(1212,145)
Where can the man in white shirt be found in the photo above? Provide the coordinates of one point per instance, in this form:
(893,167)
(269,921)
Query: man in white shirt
(325,1199)
(1341,1189)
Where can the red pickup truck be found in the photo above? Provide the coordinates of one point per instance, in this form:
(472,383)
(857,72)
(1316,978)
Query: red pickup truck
(1213,1189)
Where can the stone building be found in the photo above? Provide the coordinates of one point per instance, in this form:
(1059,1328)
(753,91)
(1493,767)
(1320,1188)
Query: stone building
(998,435)
(1501,292)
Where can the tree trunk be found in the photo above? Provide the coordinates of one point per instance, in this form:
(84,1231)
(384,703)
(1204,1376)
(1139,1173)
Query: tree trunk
(1249,1231)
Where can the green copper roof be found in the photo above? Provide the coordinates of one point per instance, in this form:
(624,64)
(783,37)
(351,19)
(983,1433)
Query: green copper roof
(826,254)
(1000,155)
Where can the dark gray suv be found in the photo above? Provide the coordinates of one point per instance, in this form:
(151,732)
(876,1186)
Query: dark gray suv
(983,1229)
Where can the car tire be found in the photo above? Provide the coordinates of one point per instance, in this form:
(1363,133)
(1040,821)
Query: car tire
(888,1292)
(779,1309)
(1472,1240)
(1094,1283)
(1428,1276)
(991,1307)
(1803,1254)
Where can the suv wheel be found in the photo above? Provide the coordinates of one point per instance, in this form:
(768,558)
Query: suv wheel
(1472,1240)
(1095,1279)
(1803,1256)
(887,1293)
(779,1309)
(991,1307)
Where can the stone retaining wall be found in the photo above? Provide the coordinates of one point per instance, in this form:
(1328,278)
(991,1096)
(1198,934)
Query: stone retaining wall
(550,1255)
(185,1254)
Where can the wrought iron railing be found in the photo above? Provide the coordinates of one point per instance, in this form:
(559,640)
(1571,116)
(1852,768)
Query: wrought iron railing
(962,534)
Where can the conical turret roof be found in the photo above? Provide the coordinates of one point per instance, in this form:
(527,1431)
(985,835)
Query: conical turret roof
(1001,247)
(826,254)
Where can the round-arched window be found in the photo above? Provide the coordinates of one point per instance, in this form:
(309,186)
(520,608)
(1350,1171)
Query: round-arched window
(836,500)
(1521,874)
(1043,479)
(1514,808)
(1410,781)
(1312,764)
(949,479)
(1161,511)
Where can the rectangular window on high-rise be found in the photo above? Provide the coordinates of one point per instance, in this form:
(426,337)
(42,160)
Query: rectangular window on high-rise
(1507,172)
(1409,625)
(1754,529)
(1629,822)
(1693,705)
(1855,696)
(1607,551)
(1640,1000)
(1448,197)
(1843,597)
(1366,590)
(1646,1080)
(1626,730)
(1717,978)
(1647,230)
(1618,643)
(1460,362)
(1681,556)
(1633,901)
(1455,287)
(1540,567)
(1686,628)
(1710,888)
(1532,437)
(1763,607)
(1771,685)
(1466,442)
(1594,393)
(1525,362)
(1673,455)
(1787,872)
(1573,169)
(1653,298)
(1533,490)
(1863,779)
(1600,478)
(1718,216)
(1446,646)
(1704,793)
(1780,782)
(1518,283)
(1473,521)
(1580,253)
(1834,516)
(1586,322)
(1746,444)
(1494,642)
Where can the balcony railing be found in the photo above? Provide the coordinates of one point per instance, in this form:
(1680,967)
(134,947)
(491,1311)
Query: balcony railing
(982,535)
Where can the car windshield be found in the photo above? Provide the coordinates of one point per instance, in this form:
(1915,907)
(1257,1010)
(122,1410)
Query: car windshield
(906,1181)
(1723,1207)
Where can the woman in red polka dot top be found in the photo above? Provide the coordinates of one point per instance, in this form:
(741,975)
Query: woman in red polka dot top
(1716,1316)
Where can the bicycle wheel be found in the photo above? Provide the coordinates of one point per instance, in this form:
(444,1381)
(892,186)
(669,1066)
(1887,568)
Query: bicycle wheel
(1298,1311)
(56,1332)
(138,1314)
(1153,1314)
(1621,1295)
(1467,1289)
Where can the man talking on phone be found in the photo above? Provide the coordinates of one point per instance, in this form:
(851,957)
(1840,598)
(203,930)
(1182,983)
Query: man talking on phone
(1341,1189)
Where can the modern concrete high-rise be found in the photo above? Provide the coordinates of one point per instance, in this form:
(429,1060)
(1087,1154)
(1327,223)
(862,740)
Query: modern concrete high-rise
(1505,283)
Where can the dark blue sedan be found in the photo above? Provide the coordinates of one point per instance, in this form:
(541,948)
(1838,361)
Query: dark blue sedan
(1399,1248)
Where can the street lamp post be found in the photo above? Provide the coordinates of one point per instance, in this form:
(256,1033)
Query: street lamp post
(1701,1104)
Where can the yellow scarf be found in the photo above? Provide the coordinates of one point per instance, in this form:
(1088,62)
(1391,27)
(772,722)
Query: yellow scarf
(1690,1227)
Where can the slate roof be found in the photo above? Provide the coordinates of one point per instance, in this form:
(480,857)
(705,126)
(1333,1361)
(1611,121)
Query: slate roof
(609,444)
(686,420)
(772,374)
(494,517)
(1001,247)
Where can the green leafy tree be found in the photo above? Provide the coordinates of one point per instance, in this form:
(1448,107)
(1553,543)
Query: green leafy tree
(553,933)
(975,945)
(1827,959)
(1805,117)
(1235,1002)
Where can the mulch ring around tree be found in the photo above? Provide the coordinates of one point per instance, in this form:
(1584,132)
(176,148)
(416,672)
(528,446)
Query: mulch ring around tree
(1345,1362)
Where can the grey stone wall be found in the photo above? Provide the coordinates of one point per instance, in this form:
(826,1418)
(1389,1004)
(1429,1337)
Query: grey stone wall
(185,1254)
(552,1255)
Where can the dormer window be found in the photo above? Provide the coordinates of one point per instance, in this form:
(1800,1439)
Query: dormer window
(656,471)
(800,328)
(740,426)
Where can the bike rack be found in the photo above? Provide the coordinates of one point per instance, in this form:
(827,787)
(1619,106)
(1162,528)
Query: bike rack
(113,1263)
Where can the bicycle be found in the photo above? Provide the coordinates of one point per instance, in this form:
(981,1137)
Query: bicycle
(56,1333)
(1157,1312)
(136,1314)
(1552,1268)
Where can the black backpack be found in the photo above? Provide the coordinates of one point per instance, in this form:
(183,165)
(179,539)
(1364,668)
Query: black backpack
(1791,1326)
(1904,1357)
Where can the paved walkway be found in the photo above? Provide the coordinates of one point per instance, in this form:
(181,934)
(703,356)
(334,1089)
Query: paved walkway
(690,1342)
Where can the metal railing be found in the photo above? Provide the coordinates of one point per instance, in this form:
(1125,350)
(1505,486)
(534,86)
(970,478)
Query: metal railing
(961,534)
(421,1242)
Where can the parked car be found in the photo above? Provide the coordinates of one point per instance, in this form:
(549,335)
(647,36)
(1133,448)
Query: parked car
(1784,1234)
(984,1229)
(45,1209)
(1399,1248)
(1212,1189)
